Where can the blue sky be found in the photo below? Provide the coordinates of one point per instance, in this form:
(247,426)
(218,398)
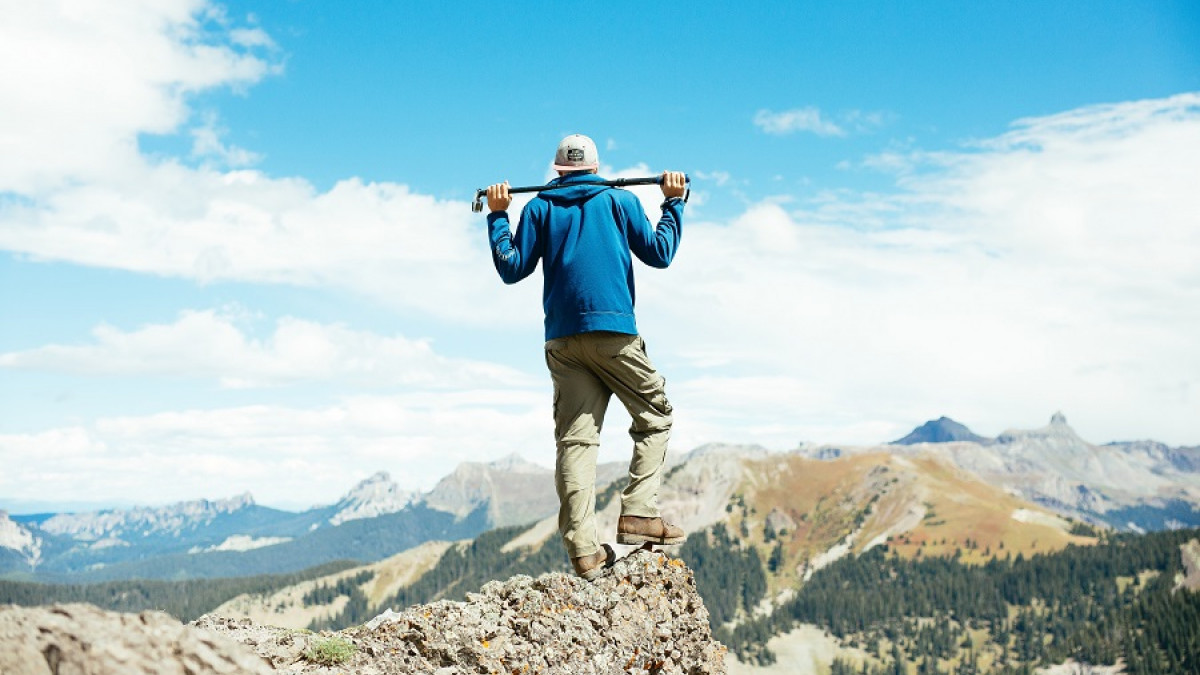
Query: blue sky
(236,251)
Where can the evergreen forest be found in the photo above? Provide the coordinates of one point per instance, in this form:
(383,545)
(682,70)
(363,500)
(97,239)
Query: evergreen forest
(1117,601)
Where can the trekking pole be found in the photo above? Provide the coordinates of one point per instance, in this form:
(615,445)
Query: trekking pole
(477,205)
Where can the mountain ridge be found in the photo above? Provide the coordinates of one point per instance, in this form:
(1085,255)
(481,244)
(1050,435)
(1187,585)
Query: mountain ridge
(1135,485)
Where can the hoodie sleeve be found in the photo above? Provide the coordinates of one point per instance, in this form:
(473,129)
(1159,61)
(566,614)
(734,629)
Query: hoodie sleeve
(655,246)
(515,256)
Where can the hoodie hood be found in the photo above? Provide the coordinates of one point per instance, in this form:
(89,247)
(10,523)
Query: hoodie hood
(576,188)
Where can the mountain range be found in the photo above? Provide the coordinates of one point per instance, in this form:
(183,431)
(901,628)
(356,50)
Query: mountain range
(1049,471)
(1139,485)
(797,514)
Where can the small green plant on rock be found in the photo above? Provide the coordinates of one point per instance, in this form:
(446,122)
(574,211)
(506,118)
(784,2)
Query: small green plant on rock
(330,651)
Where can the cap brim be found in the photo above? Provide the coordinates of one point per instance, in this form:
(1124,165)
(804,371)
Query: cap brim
(586,167)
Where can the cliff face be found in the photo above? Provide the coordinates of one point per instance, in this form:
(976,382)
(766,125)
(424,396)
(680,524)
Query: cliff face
(642,616)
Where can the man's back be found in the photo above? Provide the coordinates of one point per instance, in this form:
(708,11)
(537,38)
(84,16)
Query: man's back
(584,235)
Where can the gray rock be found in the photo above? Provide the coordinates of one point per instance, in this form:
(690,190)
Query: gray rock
(644,615)
(84,639)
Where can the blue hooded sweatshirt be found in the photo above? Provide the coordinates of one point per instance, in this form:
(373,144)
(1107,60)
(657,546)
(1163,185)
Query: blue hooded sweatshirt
(584,233)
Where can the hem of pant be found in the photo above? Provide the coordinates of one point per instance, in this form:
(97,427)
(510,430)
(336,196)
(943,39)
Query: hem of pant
(580,555)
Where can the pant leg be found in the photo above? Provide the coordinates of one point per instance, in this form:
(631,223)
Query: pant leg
(580,401)
(624,367)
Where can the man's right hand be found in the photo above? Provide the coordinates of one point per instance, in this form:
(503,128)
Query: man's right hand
(674,184)
(498,197)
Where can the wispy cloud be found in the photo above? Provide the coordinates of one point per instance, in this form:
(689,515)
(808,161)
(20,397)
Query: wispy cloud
(283,455)
(92,79)
(810,119)
(798,119)
(1061,253)
(208,144)
(213,345)
(88,196)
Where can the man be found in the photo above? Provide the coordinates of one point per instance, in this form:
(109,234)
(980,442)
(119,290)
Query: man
(584,234)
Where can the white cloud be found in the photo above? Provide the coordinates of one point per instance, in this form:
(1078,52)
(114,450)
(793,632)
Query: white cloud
(1052,267)
(86,196)
(1059,254)
(211,344)
(797,119)
(380,239)
(812,120)
(95,75)
(207,143)
(283,455)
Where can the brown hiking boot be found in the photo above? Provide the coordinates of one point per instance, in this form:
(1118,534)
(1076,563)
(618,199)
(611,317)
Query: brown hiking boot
(591,566)
(642,530)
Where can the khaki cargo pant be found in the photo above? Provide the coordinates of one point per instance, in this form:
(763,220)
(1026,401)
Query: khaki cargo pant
(587,369)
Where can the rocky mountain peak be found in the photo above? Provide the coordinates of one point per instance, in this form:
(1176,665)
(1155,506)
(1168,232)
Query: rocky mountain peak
(1057,430)
(727,450)
(17,538)
(234,503)
(374,496)
(511,489)
(516,464)
(941,430)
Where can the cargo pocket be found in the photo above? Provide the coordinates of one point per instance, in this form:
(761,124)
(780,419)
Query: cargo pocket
(657,397)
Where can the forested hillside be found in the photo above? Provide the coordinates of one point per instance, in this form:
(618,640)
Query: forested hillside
(1097,604)
(185,600)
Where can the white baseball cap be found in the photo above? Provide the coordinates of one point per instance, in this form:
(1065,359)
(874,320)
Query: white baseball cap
(576,153)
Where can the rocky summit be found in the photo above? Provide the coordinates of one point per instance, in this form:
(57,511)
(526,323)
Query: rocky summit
(83,639)
(642,616)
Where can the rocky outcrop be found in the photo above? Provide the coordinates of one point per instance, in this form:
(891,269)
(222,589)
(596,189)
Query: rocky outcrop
(1190,577)
(376,496)
(87,640)
(512,490)
(642,616)
(20,541)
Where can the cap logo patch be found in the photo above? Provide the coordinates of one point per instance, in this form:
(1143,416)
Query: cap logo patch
(574,154)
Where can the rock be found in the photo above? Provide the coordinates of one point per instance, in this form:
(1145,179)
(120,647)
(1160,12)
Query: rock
(780,522)
(644,615)
(1190,578)
(84,639)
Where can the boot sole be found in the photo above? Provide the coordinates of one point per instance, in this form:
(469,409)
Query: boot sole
(633,539)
